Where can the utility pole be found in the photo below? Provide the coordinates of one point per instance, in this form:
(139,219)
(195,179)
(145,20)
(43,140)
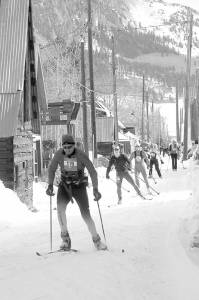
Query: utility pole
(197,96)
(177,115)
(188,70)
(114,92)
(153,129)
(143,100)
(147,114)
(84,105)
(181,122)
(92,96)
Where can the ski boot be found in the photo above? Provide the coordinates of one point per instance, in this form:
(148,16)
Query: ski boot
(98,243)
(66,241)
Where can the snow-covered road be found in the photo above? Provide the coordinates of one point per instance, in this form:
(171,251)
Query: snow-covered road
(154,265)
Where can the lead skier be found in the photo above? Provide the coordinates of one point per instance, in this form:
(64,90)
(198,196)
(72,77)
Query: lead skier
(72,162)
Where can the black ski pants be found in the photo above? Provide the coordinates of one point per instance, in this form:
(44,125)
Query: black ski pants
(119,179)
(79,193)
(154,161)
(174,160)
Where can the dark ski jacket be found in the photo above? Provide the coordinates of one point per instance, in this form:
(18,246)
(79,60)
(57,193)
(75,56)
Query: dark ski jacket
(79,160)
(120,163)
(174,148)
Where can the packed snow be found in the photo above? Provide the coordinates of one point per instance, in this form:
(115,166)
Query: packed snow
(149,241)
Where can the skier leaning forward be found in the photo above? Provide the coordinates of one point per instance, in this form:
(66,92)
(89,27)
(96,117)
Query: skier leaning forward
(122,165)
(72,162)
(140,159)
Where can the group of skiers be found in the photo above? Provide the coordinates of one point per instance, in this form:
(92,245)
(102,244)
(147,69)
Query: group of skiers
(123,167)
(73,161)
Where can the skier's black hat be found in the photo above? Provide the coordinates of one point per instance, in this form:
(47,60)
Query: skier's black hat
(67,139)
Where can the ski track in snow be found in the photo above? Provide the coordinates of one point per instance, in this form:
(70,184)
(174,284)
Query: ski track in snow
(155,264)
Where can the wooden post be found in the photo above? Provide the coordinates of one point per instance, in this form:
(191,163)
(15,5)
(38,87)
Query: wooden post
(84,105)
(114,91)
(153,129)
(186,105)
(177,115)
(143,100)
(92,95)
(147,114)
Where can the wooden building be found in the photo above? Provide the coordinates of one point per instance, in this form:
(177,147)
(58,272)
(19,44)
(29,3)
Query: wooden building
(19,102)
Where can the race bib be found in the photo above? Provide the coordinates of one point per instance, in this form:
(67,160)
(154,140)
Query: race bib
(70,164)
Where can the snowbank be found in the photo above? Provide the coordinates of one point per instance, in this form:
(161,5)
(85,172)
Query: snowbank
(191,218)
(195,217)
(12,210)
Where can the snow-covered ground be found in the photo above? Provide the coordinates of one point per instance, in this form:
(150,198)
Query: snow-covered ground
(149,242)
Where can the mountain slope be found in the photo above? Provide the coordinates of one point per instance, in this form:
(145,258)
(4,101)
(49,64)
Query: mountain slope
(150,38)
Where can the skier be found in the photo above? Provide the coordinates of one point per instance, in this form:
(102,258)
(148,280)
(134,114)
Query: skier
(72,162)
(122,166)
(154,161)
(174,153)
(140,159)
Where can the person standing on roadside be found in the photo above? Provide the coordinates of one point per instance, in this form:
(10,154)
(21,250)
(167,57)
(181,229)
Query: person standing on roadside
(174,153)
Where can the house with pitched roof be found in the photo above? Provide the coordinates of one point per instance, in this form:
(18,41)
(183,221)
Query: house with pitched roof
(22,97)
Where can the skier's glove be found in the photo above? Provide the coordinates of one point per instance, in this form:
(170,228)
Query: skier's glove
(107,176)
(49,190)
(162,162)
(96,194)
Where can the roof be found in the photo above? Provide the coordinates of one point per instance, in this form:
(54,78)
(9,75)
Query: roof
(41,89)
(13,39)
(9,107)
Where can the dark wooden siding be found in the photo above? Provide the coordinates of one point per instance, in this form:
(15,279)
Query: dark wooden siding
(7,162)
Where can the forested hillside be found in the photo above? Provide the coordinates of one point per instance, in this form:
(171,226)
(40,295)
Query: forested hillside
(61,24)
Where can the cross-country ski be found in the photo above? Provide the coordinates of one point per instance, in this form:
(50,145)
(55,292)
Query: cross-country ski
(46,254)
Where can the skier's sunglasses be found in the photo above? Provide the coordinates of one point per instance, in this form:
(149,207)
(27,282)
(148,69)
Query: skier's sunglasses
(68,147)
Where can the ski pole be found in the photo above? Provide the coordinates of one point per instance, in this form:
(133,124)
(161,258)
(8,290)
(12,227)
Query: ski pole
(149,185)
(50,223)
(101,221)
